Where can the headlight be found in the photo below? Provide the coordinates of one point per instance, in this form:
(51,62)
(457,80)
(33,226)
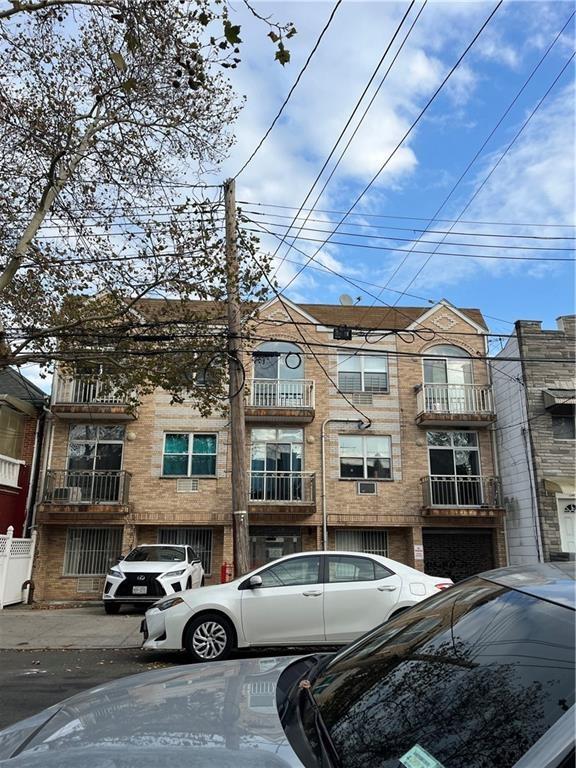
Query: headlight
(173,574)
(116,572)
(163,605)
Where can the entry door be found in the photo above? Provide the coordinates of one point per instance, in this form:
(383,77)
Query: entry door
(358,595)
(288,608)
(567,519)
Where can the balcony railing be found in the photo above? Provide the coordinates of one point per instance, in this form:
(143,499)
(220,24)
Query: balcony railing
(461,491)
(9,471)
(282,487)
(86,389)
(101,486)
(274,393)
(455,399)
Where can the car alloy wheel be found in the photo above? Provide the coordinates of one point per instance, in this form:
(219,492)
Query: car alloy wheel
(209,637)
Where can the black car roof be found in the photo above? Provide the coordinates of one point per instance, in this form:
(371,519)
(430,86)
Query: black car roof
(555,582)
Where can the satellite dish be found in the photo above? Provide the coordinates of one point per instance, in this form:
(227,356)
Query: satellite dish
(346,300)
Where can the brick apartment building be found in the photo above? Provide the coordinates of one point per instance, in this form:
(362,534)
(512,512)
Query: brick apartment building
(409,474)
(535,395)
(21,423)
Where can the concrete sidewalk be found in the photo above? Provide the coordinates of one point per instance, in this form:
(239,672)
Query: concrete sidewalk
(70,628)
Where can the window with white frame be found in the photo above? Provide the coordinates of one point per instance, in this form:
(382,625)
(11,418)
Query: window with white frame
(365,457)
(189,454)
(359,372)
(200,539)
(91,551)
(372,542)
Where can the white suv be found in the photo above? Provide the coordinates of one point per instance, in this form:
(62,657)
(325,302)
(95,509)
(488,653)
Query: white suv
(149,572)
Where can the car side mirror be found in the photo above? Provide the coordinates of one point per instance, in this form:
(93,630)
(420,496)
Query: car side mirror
(255,582)
(196,562)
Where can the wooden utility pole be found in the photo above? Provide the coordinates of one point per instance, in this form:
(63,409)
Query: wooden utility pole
(236,375)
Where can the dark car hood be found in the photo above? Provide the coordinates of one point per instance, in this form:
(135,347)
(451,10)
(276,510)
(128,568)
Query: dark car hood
(221,714)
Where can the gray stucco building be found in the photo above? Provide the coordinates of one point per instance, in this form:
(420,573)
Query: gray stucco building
(535,436)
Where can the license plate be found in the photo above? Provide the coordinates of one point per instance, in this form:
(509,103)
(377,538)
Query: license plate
(139,590)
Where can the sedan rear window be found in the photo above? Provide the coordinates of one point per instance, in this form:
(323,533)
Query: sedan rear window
(469,679)
(156,554)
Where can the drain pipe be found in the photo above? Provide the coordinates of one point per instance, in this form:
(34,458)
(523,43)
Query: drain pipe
(361,425)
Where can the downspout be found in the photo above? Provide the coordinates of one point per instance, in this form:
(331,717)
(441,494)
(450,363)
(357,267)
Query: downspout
(34,470)
(495,453)
(48,440)
(325,423)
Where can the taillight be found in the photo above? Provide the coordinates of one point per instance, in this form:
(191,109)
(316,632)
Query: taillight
(444,585)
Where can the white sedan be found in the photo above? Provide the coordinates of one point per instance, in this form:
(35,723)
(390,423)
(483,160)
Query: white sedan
(151,571)
(311,598)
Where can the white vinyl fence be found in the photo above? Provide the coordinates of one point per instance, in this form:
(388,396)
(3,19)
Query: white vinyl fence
(16,556)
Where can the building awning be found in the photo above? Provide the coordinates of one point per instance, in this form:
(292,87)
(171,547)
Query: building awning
(564,485)
(559,400)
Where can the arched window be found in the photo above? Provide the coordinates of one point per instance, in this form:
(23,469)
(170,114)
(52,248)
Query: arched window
(278,360)
(450,365)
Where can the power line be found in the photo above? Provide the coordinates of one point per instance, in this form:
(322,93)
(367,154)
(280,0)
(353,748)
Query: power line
(350,118)
(406,134)
(291,91)
(411,218)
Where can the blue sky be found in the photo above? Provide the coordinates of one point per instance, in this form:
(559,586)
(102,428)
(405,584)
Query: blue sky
(532,186)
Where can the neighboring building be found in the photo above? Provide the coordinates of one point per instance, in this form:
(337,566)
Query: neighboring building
(535,398)
(409,474)
(21,420)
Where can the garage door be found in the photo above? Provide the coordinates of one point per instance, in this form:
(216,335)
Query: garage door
(457,553)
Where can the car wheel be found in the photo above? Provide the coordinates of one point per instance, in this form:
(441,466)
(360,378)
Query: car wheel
(111,608)
(209,637)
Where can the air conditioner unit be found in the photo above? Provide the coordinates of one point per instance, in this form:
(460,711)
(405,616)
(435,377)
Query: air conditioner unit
(70,494)
(364,488)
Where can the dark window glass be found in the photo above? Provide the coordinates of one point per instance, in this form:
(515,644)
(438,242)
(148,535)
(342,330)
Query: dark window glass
(381,572)
(302,570)
(378,468)
(563,427)
(472,678)
(345,568)
(352,468)
(156,554)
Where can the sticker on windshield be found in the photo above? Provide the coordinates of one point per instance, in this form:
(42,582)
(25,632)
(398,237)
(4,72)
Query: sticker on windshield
(417,757)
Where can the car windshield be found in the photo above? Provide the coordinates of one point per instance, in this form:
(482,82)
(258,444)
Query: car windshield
(156,554)
(470,679)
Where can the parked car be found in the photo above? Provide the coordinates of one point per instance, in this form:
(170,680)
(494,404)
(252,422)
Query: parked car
(149,572)
(311,598)
(479,676)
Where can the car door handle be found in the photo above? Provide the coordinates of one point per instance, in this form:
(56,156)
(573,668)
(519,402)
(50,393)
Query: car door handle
(313,593)
(387,588)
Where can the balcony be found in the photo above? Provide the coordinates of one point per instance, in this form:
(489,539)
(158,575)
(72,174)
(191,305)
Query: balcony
(86,395)
(293,492)
(461,496)
(84,495)
(454,405)
(9,471)
(281,400)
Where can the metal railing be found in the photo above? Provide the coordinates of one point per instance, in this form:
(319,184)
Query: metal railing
(455,398)
(275,393)
(9,471)
(100,486)
(85,389)
(283,487)
(461,491)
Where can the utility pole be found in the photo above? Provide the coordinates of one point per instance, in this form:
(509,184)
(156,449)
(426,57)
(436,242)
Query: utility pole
(236,376)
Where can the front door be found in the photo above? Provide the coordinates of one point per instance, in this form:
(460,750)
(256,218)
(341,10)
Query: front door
(276,465)
(567,520)
(287,609)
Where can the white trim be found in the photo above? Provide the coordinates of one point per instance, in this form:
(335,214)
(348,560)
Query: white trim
(443,303)
(294,307)
(563,500)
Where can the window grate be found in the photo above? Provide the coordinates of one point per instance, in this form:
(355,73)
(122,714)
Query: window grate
(200,539)
(91,551)
(371,542)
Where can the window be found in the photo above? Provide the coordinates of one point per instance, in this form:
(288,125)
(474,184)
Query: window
(301,570)
(279,360)
(346,568)
(91,551)
(455,469)
(455,368)
(365,457)
(563,427)
(360,540)
(200,539)
(362,373)
(189,454)
(156,555)
(94,447)
(11,432)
